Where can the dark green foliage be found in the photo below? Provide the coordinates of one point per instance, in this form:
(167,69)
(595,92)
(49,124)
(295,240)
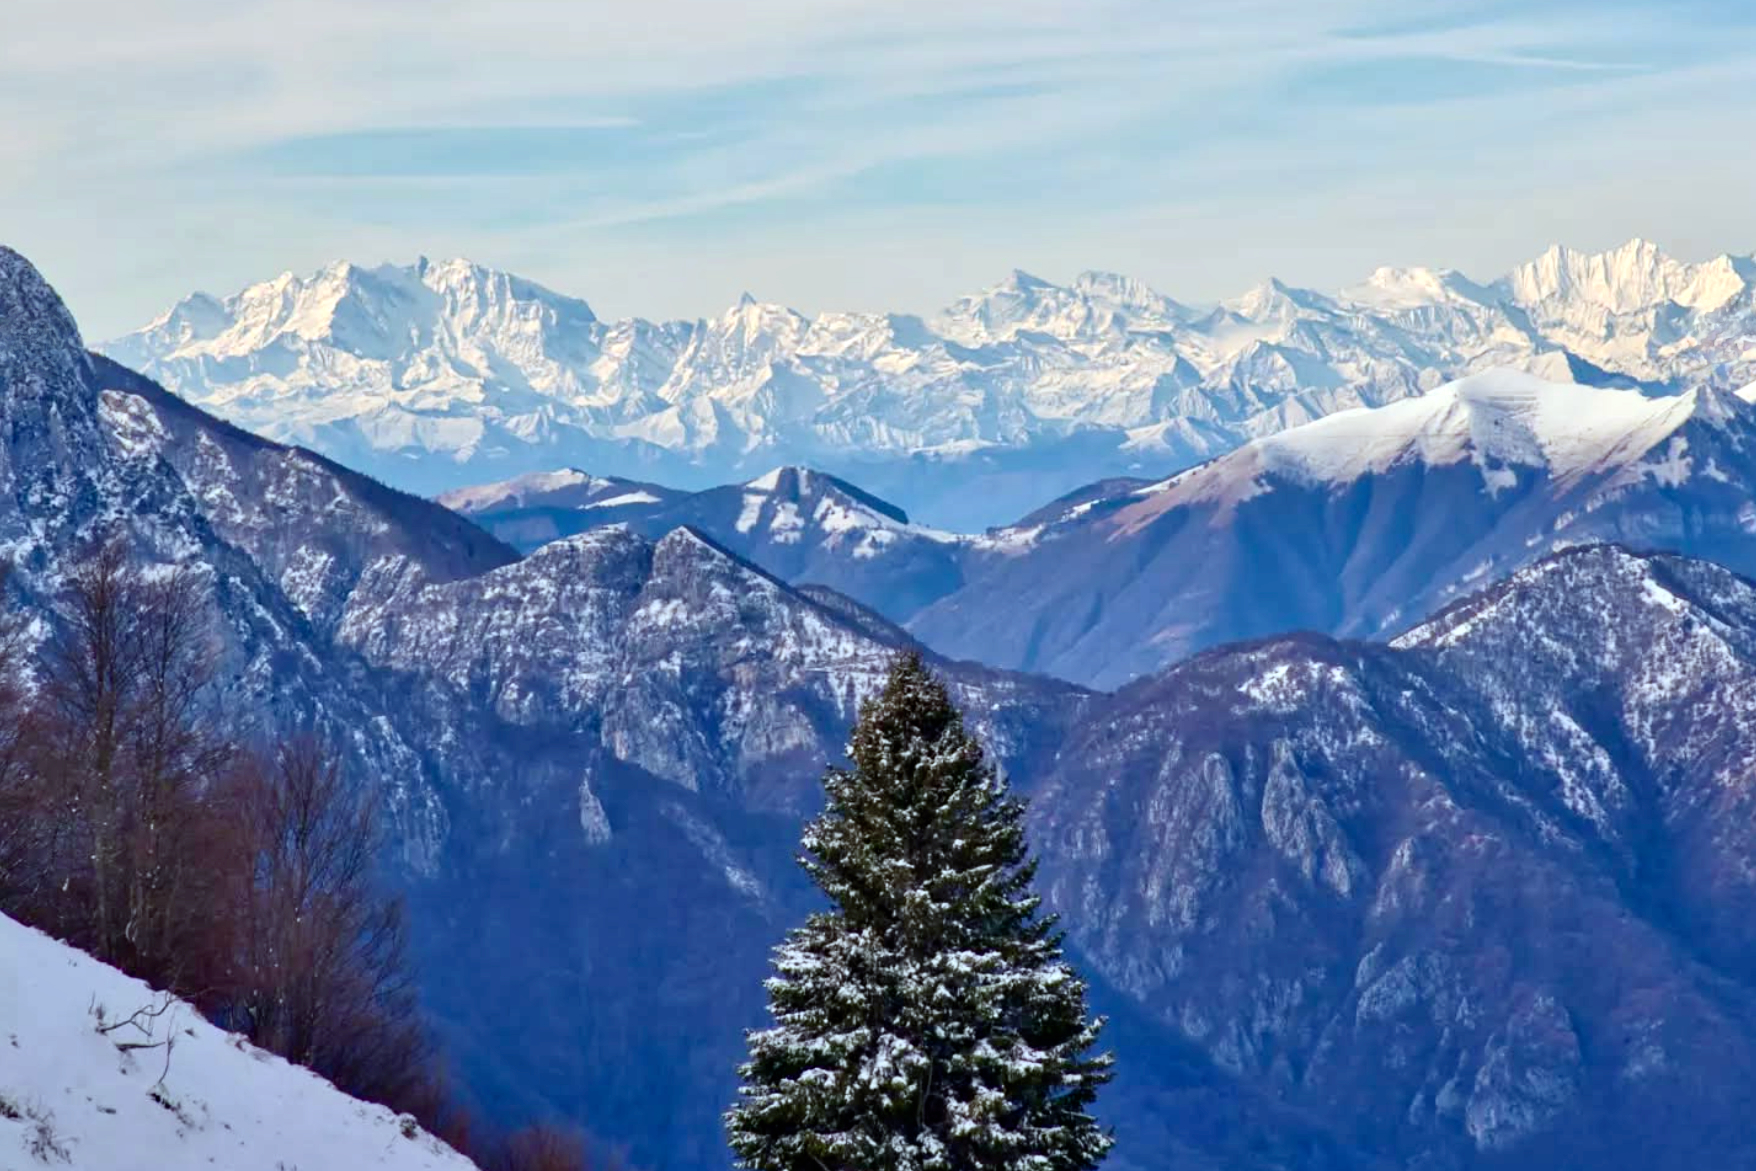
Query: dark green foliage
(927,1020)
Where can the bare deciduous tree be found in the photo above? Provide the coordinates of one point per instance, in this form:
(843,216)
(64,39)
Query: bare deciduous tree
(248,883)
(324,977)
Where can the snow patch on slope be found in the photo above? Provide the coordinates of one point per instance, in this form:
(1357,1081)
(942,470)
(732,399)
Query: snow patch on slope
(1499,419)
(213,1100)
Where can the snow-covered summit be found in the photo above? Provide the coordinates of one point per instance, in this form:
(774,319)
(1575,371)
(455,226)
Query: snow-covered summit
(71,1096)
(567,488)
(1496,419)
(1357,523)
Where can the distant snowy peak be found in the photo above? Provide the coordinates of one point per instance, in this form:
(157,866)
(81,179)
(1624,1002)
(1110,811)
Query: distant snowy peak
(791,518)
(798,485)
(1390,289)
(1096,304)
(1636,276)
(1498,419)
(1276,299)
(372,313)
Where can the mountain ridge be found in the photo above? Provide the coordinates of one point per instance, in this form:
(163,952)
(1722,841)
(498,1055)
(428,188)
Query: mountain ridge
(1355,524)
(1347,869)
(482,375)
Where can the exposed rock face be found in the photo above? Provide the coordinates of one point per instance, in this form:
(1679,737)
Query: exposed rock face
(1477,894)
(315,528)
(682,659)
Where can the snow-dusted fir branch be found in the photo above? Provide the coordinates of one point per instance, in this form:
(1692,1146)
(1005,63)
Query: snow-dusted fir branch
(926,1021)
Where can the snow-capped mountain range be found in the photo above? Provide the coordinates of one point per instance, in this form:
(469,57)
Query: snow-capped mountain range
(438,375)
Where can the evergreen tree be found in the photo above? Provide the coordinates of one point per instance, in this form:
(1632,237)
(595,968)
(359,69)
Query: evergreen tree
(927,1020)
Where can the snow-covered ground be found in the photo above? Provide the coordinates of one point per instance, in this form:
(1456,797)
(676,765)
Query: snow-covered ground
(73,1096)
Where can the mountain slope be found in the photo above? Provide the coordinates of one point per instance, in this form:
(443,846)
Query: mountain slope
(595,758)
(435,375)
(275,539)
(1477,899)
(1471,900)
(70,1096)
(801,525)
(1354,524)
(313,526)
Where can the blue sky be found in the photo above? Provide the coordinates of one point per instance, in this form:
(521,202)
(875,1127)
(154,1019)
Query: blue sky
(661,157)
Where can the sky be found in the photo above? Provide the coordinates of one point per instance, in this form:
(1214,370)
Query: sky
(660,157)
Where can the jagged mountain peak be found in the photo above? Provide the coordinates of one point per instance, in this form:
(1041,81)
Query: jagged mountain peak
(1628,278)
(1131,295)
(198,317)
(689,541)
(755,318)
(373,311)
(799,484)
(1020,281)
(35,325)
(1273,297)
(1606,576)
(499,377)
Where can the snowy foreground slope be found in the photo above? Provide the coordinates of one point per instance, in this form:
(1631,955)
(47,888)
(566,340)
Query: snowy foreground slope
(69,1097)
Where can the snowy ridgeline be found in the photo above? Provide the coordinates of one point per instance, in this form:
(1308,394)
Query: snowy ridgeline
(87,1082)
(488,375)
